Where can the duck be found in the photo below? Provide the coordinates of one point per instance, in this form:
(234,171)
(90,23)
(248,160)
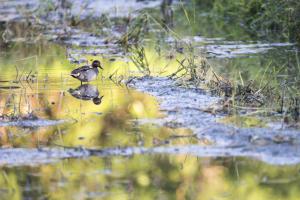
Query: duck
(87,92)
(87,73)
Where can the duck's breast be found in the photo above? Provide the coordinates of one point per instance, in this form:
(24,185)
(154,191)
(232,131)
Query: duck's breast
(91,74)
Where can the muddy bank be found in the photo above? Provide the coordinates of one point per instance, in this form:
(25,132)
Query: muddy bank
(186,108)
(34,123)
(275,154)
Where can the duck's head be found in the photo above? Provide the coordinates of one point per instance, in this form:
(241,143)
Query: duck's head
(96,63)
(97,100)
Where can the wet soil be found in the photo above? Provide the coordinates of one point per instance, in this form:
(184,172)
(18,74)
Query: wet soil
(188,108)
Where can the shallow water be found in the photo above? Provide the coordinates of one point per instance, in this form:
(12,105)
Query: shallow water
(151,177)
(48,97)
(55,144)
(173,167)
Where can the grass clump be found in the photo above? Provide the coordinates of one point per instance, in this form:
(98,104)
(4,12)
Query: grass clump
(138,57)
(268,93)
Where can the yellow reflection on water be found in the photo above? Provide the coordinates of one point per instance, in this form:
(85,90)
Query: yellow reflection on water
(152,177)
(243,121)
(36,80)
(112,124)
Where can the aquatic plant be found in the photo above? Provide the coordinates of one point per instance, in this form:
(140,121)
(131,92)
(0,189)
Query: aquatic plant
(138,57)
(268,92)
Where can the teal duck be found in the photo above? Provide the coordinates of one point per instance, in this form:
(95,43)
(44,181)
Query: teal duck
(87,73)
(87,92)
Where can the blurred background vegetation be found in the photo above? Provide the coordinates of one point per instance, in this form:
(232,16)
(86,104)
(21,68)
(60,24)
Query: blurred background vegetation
(261,18)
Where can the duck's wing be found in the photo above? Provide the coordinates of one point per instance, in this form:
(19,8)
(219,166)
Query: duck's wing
(78,71)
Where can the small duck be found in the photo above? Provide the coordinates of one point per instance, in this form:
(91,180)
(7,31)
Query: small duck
(87,73)
(87,92)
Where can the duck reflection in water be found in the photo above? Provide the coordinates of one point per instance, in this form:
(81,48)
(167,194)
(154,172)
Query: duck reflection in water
(87,92)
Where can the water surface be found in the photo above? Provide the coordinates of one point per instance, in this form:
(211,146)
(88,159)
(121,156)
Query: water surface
(39,97)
